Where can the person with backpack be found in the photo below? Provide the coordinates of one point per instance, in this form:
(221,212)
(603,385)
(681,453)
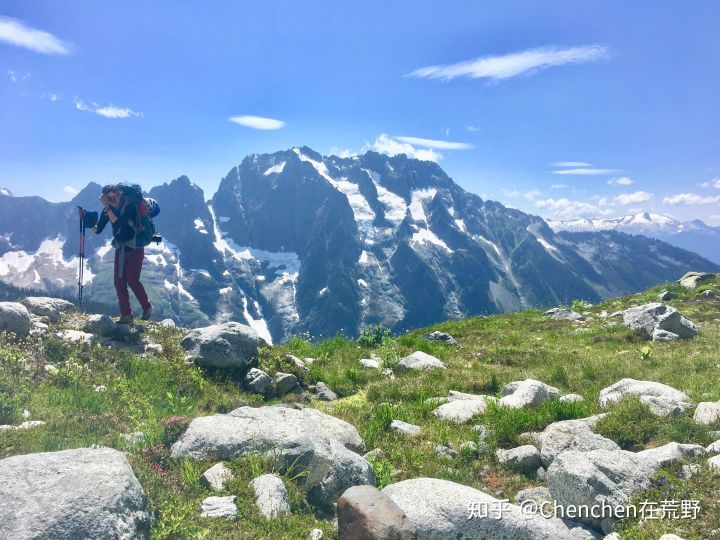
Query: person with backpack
(129,215)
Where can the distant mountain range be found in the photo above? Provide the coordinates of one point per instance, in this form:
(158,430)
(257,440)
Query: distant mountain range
(691,235)
(298,243)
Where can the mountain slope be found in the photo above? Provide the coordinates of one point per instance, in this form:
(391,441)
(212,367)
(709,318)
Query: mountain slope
(294,242)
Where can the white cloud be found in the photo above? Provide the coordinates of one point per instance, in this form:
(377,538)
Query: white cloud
(54,97)
(16,33)
(472,129)
(567,209)
(633,198)
(622,181)
(586,172)
(385,144)
(70,190)
(108,111)
(572,164)
(511,65)
(432,143)
(715,182)
(257,122)
(342,153)
(558,186)
(691,198)
(530,195)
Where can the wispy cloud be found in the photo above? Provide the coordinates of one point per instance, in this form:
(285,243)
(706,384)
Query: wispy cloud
(558,186)
(530,195)
(342,152)
(108,111)
(70,190)
(622,181)
(257,122)
(15,32)
(472,129)
(564,208)
(633,198)
(432,143)
(586,171)
(385,144)
(572,164)
(715,182)
(511,65)
(691,198)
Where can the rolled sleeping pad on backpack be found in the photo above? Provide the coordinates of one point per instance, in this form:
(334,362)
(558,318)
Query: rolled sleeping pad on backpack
(153,206)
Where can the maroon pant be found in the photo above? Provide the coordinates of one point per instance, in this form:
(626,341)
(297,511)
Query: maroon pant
(130,275)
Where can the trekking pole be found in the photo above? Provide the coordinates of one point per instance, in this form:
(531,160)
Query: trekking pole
(82,260)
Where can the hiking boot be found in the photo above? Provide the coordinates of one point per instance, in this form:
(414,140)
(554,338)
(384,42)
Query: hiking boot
(147,313)
(126,319)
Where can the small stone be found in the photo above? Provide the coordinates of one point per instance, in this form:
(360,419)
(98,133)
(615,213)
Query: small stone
(375,453)
(309,361)
(365,513)
(285,383)
(714,463)
(369,363)
(296,362)
(442,337)
(271,496)
(469,448)
(100,388)
(216,477)
(323,392)
(524,459)
(707,412)
(167,323)
(223,507)
(404,428)
(419,361)
(688,471)
(133,438)
(257,381)
(445,451)
(666,295)
(572,398)
(316,534)
(154,348)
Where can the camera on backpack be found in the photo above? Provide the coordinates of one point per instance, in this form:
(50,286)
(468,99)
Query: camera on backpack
(156,238)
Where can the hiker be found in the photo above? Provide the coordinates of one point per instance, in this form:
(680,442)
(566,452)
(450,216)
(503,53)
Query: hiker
(124,216)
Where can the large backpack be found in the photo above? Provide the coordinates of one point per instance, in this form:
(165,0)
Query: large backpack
(147,209)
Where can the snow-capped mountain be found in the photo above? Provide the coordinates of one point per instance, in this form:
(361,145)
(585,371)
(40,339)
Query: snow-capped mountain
(295,242)
(691,235)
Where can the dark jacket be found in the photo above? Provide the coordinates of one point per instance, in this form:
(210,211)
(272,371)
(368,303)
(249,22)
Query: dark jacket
(124,228)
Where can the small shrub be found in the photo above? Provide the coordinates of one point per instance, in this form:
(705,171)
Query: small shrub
(384,471)
(580,305)
(559,375)
(374,335)
(631,424)
(173,427)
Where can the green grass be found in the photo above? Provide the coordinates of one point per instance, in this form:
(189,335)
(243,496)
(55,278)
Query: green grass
(143,393)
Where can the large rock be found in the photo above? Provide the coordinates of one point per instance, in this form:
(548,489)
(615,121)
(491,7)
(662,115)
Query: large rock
(405,428)
(527,393)
(597,478)
(563,314)
(659,321)
(441,509)
(364,513)
(692,279)
(257,381)
(441,337)
(672,452)
(227,345)
(83,493)
(15,318)
(632,387)
(100,325)
(523,459)
(707,412)
(665,407)
(219,507)
(306,438)
(419,361)
(271,496)
(44,306)
(216,477)
(462,410)
(566,435)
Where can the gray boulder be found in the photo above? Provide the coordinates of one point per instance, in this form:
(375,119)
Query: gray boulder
(527,393)
(566,435)
(323,393)
(441,509)
(672,452)
(15,318)
(572,398)
(75,336)
(598,477)
(271,496)
(227,345)
(632,387)
(664,296)
(659,322)
(692,279)
(538,495)
(257,381)
(562,314)
(707,412)
(523,459)
(286,383)
(665,407)
(82,493)
(43,306)
(460,411)
(100,325)
(369,363)
(305,438)
(219,507)
(364,513)
(441,337)
(296,362)
(419,361)
(216,477)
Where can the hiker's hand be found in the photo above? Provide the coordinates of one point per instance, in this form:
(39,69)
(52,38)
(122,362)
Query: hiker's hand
(104,201)
(94,229)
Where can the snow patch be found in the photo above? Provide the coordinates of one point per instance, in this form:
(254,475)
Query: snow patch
(423,236)
(259,325)
(417,210)
(200,226)
(275,169)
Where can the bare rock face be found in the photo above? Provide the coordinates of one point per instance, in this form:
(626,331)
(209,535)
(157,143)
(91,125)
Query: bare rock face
(227,345)
(692,279)
(306,439)
(82,493)
(364,513)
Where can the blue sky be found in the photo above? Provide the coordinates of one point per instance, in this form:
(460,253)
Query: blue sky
(562,109)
